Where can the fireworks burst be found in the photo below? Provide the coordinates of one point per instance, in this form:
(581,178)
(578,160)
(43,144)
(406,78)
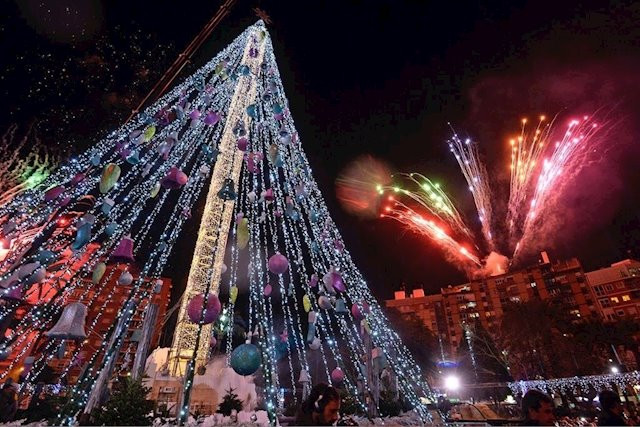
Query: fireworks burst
(568,156)
(544,160)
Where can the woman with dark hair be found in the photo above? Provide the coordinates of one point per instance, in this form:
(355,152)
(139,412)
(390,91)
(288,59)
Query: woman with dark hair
(321,407)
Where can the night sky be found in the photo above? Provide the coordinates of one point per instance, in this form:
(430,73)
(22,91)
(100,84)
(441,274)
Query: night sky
(364,77)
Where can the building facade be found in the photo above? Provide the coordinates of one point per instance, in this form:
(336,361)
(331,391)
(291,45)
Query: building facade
(484,300)
(617,290)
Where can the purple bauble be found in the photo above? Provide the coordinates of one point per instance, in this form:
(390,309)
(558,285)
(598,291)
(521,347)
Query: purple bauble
(337,282)
(194,115)
(213,342)
(13,294)
(313,282)
(278,263)
(243,143)
(337,376)
(211,118)
(53,193)
(194,309)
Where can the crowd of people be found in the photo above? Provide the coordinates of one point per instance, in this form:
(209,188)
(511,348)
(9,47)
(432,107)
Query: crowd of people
(8,401)
(322,407)
(538,409)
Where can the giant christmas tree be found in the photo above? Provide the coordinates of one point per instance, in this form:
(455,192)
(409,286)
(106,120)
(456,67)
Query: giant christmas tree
(266,246)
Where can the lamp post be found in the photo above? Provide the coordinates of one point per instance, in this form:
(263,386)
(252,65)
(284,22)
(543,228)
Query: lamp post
(452,383)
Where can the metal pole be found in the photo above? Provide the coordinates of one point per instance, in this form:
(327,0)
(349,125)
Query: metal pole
(169,76)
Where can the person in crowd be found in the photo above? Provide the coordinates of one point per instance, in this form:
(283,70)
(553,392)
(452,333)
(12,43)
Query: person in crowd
(537,409)
(611,414)
(8,402)
(321,407)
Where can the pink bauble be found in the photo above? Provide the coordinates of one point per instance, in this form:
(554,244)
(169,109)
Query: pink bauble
(252,165)
(194,309)
(78,178)
(267,290)
(213,341)
(355,311)
(268,194)
(278,263)
(194,115)
(337,376)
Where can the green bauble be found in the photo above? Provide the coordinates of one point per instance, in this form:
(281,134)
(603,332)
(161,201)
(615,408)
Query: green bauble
(245,359)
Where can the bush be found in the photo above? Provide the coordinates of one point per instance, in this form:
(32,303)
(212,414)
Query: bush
(389,405)
(127,406)
(230,402)
(349,404)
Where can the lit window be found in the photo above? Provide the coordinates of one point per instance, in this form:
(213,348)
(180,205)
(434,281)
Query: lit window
(533,284)
(626,298)
(615,300)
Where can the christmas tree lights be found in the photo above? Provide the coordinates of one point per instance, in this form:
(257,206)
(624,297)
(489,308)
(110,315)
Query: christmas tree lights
(266,235)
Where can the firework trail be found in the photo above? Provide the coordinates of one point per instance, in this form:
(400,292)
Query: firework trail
(474,171)
(544,158)
(570,154)
(431,196)
(455,252)
(18,174)
(526,152)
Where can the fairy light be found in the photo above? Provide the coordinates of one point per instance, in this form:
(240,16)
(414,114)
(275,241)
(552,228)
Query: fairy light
(576,385)
(309,245)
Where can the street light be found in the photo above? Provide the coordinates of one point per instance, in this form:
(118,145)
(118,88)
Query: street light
(452,383)
(614,370)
